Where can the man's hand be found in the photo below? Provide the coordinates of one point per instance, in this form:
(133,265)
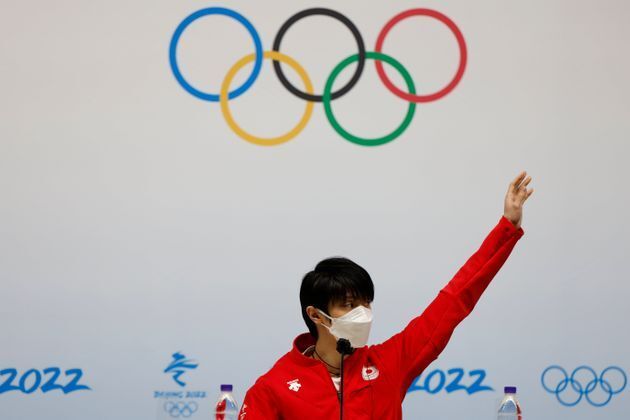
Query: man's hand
(515,198)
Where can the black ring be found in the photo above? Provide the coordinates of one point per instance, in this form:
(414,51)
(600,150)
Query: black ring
(333,14)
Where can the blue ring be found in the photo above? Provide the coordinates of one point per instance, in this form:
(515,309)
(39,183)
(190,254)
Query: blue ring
(172,53)
(596,404)
(573,383)
(625,379)
(566,377)
(588,388)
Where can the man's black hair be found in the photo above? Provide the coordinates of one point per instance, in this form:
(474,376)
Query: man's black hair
(332,280)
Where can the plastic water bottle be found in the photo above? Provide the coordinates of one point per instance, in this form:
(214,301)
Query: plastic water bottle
(226,408)
(510,408)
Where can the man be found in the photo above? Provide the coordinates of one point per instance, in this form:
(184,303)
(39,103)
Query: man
(335,297)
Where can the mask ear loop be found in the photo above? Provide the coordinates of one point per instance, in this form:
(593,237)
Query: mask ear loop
(332,321)
(327,316)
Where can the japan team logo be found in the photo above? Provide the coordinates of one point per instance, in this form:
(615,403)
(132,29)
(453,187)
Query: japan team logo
(306,93)
(369,373)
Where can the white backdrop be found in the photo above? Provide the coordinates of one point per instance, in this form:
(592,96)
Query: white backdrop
(135,224)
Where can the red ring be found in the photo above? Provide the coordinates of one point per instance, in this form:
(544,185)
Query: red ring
(463,55)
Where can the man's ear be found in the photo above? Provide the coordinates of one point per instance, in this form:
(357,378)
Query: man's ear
(314,315)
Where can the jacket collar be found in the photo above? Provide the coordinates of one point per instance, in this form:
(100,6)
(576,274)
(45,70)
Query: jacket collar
(305,340)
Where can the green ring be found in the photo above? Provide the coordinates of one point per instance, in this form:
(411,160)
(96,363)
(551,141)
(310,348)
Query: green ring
(351,137)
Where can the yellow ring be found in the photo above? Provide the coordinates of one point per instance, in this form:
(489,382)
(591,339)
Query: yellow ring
(227,114)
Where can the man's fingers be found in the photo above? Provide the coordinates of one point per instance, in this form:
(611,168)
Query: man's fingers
(524,194)
(525,182)
(517,180)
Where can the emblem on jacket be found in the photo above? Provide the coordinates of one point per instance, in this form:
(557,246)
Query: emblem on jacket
(294,385)
(243,413)
(369,373)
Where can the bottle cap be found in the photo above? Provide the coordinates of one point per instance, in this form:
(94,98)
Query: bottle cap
(226,388)
(509,390)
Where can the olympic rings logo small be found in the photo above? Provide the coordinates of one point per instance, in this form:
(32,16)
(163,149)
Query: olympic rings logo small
(226,94)
(602,381)
(180,408)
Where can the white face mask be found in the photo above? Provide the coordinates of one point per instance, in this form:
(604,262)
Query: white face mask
(353,326)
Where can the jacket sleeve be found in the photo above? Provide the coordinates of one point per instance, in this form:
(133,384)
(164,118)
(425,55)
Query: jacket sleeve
(423,339)
(258,404)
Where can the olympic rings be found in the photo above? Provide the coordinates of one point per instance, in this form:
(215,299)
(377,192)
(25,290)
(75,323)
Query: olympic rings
(463,55)
(579,388)
(180,408)
(206,12)
(328,96)
(258,56)
(333,14)
(228,115)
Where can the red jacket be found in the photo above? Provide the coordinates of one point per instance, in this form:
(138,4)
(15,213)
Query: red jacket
(376,378)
